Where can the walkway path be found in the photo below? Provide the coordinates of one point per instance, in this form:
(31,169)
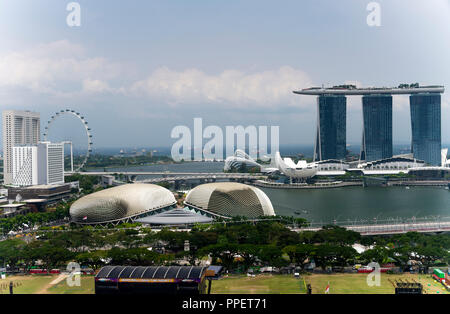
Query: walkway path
(57,280)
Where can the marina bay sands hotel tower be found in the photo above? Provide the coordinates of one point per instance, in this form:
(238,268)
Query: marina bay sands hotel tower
(425,105)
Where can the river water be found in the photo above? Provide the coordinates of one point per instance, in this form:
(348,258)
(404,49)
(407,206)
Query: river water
(347,204)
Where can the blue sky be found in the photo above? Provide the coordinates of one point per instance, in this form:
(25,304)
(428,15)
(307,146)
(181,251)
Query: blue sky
(136,69)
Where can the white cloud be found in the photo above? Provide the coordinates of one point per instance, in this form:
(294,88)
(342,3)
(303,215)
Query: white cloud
(95,86)
(62,69)
(60,48)
(231,87)
(50,68)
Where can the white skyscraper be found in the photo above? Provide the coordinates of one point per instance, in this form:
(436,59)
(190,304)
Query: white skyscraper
(38,164)
(25,165)
(19,128)
(51,163)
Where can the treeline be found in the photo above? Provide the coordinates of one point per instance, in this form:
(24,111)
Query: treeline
(87,183)
(98,160)
(237,247)
(30,220)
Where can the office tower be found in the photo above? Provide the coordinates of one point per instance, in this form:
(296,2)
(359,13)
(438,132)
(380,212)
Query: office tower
(426,127)
(24,165)
(51,162)
(19,128)
(425,102)
(331,127)
(38,164)
(377,129)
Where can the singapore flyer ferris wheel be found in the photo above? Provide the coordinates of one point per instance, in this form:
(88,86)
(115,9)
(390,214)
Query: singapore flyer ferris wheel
(88,135)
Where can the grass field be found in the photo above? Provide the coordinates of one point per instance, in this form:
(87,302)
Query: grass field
(87,287)
(26,284)
(270,284)
(339,284)
(39,284)
(357,283)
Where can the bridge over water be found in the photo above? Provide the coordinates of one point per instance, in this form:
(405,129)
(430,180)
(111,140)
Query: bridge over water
(201,177)
(176,176)
(411,225)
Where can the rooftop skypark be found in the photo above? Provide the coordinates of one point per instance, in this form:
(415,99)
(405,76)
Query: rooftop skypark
(402,89)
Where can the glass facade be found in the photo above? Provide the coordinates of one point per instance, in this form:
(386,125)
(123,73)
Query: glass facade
(331,127)
(377,130)
(426,127)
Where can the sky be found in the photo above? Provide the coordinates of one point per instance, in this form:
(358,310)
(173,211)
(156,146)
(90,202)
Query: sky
(136,69)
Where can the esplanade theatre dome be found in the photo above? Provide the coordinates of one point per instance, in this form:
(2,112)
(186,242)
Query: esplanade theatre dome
(230,199)
(120,204)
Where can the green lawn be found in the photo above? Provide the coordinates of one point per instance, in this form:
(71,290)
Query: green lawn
(26,284)
(87,287)
(271,284)
(339,284)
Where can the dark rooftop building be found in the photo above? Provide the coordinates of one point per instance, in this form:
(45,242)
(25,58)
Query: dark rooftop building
(188,280)
(50,193)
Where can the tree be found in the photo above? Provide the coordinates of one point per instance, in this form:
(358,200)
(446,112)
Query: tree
(221,253)
(11,251)
(92,259)
(271,255)
(135,256)
(429,255)
(51,256)
(202,238)
(401,255)
(345,255)
(330,255)
(249,254)
(300,254)
(336,235)
(378,254)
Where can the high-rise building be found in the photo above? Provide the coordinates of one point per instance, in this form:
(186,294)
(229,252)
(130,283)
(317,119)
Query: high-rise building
(425,104)
(377,129)
(25,165)
(38,164)
(19,128)
(51,161)
(426,127)
(331,127)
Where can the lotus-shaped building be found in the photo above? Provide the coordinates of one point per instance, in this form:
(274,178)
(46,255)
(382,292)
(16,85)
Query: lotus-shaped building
(301,170)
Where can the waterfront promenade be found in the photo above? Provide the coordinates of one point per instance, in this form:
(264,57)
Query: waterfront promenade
(319,185)
(411,225)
